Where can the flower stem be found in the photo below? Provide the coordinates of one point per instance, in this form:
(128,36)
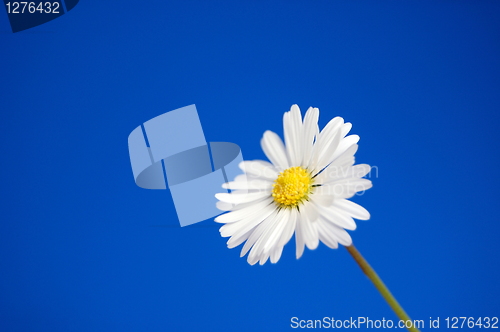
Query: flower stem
(379,284)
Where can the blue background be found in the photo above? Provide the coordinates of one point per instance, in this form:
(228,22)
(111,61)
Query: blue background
(82,248)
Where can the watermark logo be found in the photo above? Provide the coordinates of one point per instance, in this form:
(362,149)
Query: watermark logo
(170,150)
(28,14)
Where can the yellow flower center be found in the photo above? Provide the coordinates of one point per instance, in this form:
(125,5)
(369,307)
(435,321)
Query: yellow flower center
(292,186)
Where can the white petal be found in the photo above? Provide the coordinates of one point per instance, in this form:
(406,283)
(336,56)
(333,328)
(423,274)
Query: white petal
(240,198)
(248,185)
(346,159)
(236,207)
(241,229)
(342,236)
(308,210)
(346,188)
(287,233)
(224,206)
(342,188)
(257,232)
(273,147)
(345,144)
(244,225)
(346,128)
(236,241)
(275,235)
(331,234)
(337,217)
(334,172)
(242,213)
(268,237)
(353,209)
(345,181)
(326,157)
(299,238)
(324,137)
(326,236)
(330,130)
(359,170)
(252,260)
(257,249)
(259,168)
(330,173)
(323,198)
(276,254)
(251,177)
(311,130)
(292,127)
(308,217)
(263,258)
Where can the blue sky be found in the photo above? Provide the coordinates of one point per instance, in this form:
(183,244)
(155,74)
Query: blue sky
(84,249)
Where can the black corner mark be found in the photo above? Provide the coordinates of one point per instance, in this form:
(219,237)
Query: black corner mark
(28,14)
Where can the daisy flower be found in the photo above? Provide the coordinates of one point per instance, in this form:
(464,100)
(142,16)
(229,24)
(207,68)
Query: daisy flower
(303,190)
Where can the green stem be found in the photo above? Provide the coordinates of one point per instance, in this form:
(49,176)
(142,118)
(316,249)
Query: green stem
(379,284)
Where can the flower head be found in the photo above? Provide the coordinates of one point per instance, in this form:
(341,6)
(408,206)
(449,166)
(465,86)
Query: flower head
(303,190)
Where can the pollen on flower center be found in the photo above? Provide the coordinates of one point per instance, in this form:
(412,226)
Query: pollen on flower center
(292,186)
